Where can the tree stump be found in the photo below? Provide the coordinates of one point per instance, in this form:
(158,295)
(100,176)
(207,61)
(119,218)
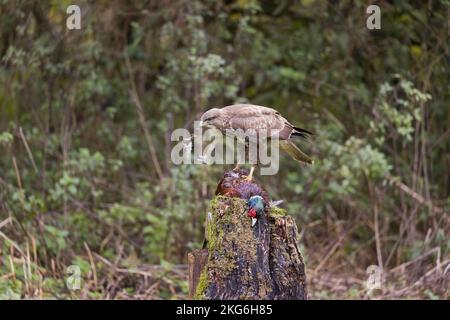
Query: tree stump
(245,262)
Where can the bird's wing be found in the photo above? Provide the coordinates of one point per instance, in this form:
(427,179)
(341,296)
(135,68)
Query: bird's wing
(262,119)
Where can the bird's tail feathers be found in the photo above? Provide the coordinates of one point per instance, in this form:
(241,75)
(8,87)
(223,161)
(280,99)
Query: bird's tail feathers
(276,203)
(290,148)
(299,132)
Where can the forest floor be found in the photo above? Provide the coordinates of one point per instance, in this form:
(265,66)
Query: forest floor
(425,277)
(154,282)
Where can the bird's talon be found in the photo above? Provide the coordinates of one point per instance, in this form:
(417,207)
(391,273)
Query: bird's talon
(250,176)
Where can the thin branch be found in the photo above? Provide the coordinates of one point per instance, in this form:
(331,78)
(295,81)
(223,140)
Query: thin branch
(25,143)
(140,111)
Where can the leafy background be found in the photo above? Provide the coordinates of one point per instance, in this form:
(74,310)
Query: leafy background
(86,116)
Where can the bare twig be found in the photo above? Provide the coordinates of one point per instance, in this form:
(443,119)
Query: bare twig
(416,196)
(16,169)
(377,228)
(15,245)
(140,111)
(91,260)
(424,255)
(5,222)
(25,143)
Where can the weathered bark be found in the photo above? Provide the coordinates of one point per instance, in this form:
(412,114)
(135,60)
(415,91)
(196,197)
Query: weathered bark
(197,260)
(245,262)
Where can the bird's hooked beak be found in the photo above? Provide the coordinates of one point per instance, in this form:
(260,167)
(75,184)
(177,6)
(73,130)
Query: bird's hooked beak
(204,124)
(206,120)
(201,122)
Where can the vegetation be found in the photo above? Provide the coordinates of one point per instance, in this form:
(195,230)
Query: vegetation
(86,116)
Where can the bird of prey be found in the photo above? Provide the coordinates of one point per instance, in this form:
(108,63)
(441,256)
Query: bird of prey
(258,119)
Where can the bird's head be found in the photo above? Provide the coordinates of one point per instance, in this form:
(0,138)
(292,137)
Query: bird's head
(210,117)
(256,202)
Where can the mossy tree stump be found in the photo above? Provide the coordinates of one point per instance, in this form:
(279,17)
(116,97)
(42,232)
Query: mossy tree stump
(245,262)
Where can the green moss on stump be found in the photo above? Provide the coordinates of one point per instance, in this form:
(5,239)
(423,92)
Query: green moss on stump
(202,285)
(245,262)
(277,212)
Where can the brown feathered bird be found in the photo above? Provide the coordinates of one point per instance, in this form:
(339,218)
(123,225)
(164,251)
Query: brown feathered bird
(259,119)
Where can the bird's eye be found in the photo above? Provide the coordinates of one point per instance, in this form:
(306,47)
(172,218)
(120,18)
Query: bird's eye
(210,118)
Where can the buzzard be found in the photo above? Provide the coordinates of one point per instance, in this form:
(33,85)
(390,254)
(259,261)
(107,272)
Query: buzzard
(258,119)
